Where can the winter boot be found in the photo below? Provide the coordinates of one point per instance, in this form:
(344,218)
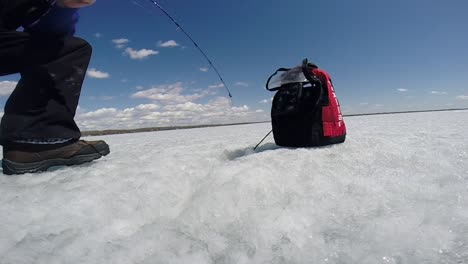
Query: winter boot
(24,158)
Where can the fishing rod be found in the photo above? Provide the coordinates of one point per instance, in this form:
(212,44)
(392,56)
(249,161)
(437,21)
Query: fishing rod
(194,43)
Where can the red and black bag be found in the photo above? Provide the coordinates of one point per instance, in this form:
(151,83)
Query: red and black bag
(305,110)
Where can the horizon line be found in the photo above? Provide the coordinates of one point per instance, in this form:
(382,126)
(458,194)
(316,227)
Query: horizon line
(153,129)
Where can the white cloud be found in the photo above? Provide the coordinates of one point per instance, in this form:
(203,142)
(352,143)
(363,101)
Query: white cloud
(168,44)
(104,98)
(103,112)
(264,101)
(402,90)
(93,73)
(7,87)
(98,35)
(140,54)
(240,109)
(216,111)
(462,97)
(170,105)
(242,84)
(204,69)
(216,86)
(437,92)
(120,41)
(171,93)
(148,107)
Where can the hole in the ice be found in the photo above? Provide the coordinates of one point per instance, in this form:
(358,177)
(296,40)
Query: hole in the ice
(234,154)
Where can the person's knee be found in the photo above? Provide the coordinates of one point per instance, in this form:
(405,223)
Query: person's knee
(84,45)
(79,44)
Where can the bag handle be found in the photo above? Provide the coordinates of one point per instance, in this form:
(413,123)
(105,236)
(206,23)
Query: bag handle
(269,79)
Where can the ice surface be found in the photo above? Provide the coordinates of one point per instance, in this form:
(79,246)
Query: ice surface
(395,192)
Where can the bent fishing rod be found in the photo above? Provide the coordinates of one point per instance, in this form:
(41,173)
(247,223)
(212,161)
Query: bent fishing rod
(194,43)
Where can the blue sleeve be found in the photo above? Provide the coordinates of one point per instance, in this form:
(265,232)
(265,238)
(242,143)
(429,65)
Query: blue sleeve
(59,21)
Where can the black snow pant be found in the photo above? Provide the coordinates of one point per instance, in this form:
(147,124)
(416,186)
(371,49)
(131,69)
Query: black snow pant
(43,104)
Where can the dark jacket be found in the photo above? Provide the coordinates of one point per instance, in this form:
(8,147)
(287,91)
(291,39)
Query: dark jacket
(59,21)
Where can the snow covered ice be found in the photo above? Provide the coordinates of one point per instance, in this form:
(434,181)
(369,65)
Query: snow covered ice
(395,192)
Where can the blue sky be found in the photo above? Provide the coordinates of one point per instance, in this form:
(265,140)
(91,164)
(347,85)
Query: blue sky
(382,55)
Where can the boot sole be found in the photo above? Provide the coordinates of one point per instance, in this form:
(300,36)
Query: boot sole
(10,167)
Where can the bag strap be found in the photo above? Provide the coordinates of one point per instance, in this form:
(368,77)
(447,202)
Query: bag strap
(269,79)
(306,66)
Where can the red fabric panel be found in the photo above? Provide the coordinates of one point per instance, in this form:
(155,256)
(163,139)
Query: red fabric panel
(333,123)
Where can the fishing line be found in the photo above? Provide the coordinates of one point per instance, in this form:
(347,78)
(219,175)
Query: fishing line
(262,140)
(194,43)
(137,4)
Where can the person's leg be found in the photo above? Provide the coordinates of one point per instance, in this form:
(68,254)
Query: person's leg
(38,128)
(43,105)
(12,50)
